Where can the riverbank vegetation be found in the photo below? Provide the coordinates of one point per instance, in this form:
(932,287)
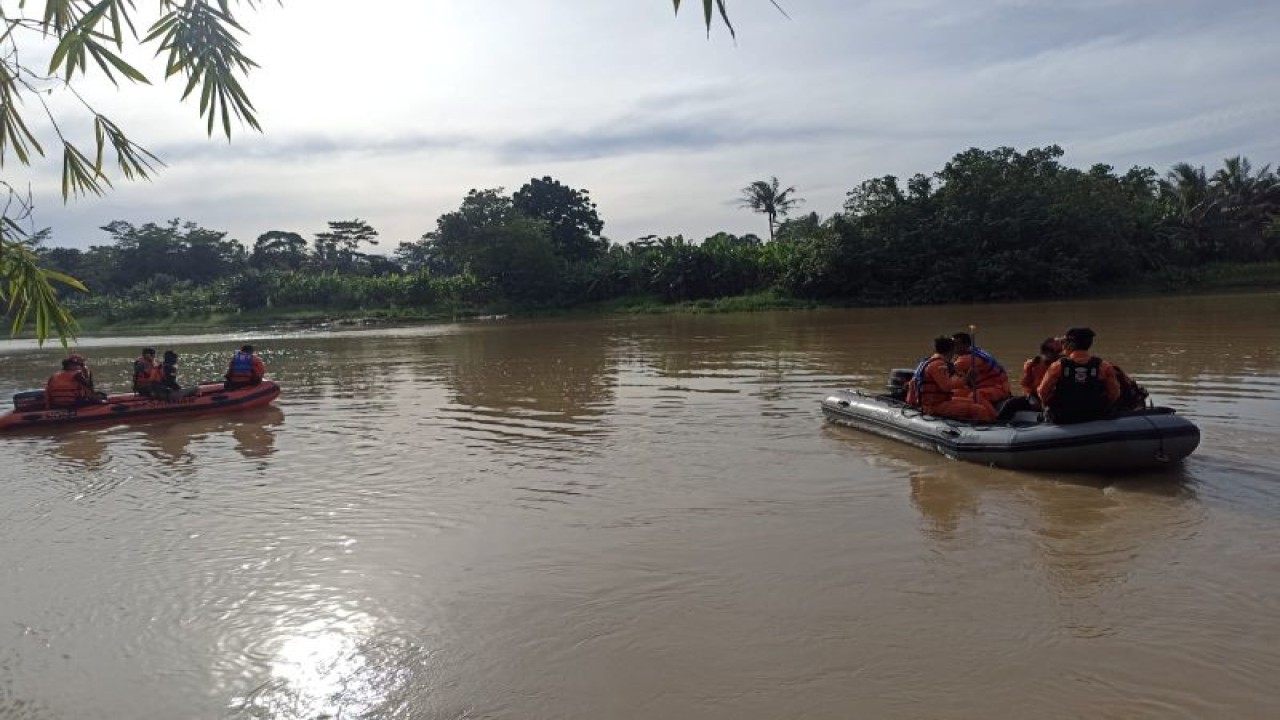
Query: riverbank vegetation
(991,225)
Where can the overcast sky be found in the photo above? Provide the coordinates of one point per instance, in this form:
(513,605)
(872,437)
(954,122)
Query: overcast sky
(390,111)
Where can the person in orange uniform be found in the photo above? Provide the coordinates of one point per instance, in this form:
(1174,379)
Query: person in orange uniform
(991,382)
(245,369)
(68,388)
(146,373)
(1033,370)
(1079,387)
(937,390)
(86,373)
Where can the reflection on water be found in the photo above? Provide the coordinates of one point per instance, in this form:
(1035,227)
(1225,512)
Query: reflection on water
(170,443)
(318,669)
(646,518)
(1084,532)
(83,449)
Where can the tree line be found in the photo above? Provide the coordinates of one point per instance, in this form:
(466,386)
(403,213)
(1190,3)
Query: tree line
(990,225)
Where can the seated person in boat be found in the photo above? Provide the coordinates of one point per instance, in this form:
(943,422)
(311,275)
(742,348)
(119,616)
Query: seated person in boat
(938,390)
(69,387)
(245,369)
(169,388)
(146,373)
(1132,395)
(86,373)
(1079,387)
(992,382)
(1033,371)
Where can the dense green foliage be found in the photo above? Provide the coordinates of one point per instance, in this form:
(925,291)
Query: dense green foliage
(990,225)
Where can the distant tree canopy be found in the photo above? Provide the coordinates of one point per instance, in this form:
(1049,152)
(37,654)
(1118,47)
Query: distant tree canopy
(989,225)
(575,225)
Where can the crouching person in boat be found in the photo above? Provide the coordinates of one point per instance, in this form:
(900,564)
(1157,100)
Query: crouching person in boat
(938,390)
(70,387)
(168,388)
(989,380)
(146,373)
(1079,387)
(245,369)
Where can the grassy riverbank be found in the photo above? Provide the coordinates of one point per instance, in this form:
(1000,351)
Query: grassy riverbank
(1218,278)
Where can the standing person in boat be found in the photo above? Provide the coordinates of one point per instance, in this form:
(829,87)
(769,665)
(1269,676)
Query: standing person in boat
(1033,371)
(169,387)
(988,379)
(937,390)
(245,369)
(69,388)
(146,373)
(1079,387)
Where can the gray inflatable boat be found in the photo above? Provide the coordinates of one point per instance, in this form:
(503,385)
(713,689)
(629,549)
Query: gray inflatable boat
(1146,438)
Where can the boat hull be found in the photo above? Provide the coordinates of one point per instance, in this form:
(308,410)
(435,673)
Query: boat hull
(1144,439)
(136,408)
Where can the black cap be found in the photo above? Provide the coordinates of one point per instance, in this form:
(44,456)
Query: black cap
(170,355)
(148,351)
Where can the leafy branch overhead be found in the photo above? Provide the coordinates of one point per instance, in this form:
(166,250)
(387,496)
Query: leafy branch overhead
(711,7)
(199,40)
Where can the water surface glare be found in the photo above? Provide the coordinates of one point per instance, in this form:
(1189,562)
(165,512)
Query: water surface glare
(642,518)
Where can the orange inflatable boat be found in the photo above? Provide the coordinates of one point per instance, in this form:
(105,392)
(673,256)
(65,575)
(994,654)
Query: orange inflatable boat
(30,413)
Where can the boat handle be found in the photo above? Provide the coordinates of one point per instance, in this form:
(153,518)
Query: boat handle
(950,433)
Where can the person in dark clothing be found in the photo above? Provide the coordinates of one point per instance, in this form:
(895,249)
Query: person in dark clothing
(169,387)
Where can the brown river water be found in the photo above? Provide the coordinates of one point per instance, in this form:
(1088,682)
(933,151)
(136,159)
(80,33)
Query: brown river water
(641,518)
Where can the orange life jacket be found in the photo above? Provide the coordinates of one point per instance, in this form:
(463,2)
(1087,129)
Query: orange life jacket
(65,389)
(923,390)
(145,373)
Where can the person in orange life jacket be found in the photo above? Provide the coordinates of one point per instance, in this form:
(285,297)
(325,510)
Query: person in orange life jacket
(68,388)
(245,369)
(146,373)
(990,382)
(1033,370)
(1079,387)
(168,386)
(937,390)
(86,374)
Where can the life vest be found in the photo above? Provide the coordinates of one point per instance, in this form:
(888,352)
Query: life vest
(145,373)
(242,368)
(1080,395)
(923,391)
(993,374)
(65,389)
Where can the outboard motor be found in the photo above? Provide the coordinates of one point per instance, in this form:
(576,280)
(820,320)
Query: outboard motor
(899,378)
(28,400)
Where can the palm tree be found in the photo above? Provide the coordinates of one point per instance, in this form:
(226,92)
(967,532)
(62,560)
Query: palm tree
(1242,192)
(766,197)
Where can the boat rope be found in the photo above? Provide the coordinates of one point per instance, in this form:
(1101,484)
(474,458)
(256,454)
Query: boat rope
(1161,455)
